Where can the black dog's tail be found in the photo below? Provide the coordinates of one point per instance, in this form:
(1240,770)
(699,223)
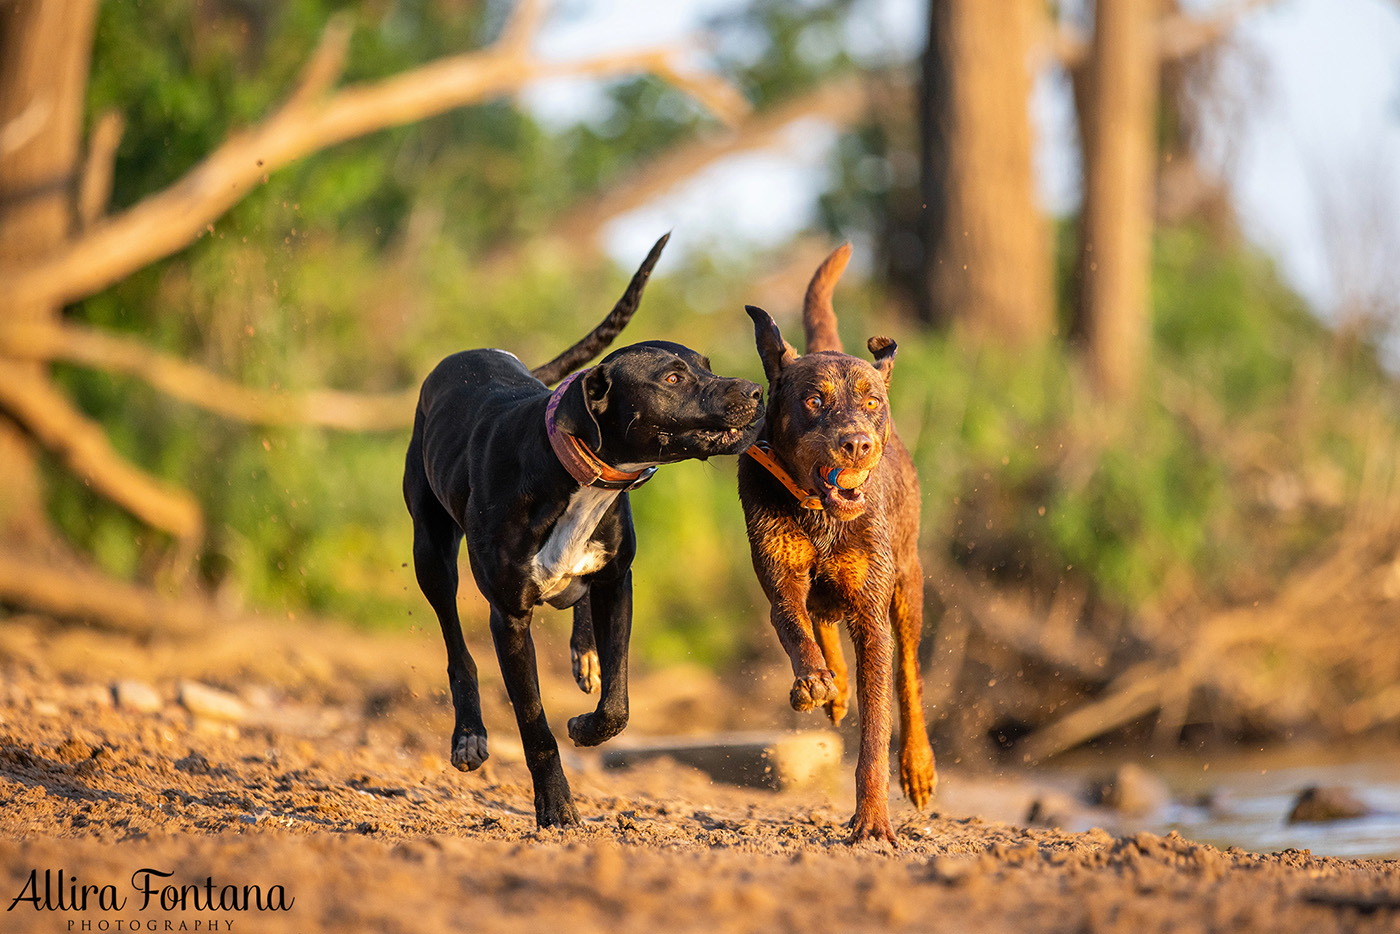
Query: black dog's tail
(607,330)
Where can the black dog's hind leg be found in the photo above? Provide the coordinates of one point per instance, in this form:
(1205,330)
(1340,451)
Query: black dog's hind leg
(515,650)
(612,624)
(436,540)
(583,652)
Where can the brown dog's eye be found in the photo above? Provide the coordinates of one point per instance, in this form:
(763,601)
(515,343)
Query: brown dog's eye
(872,404)
(673,378)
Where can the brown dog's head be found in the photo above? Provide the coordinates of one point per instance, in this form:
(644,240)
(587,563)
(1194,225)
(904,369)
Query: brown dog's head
(828,414)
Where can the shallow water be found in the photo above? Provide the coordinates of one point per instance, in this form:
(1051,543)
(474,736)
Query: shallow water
(1249,797)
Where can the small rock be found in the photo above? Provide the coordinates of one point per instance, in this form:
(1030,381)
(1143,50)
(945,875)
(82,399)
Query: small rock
(129,694)
(204,701)
(1317,803)
(1052,809)
(194,763)
(1132,790)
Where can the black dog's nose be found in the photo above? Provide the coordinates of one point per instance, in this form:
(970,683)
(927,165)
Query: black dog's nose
(756,393)
(858,446)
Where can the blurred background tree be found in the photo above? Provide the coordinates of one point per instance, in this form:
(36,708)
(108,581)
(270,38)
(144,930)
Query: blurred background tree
(1160,494)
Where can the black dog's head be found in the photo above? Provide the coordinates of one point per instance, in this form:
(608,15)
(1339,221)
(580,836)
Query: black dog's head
(828,414)
(656,403)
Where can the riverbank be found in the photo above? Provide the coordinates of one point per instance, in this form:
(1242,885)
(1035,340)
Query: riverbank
(315,765)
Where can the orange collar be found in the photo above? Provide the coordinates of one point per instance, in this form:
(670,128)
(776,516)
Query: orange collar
(581,463)
(805,499)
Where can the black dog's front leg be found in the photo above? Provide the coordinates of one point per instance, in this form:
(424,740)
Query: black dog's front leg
(515,650)
(583,651)
(611,605)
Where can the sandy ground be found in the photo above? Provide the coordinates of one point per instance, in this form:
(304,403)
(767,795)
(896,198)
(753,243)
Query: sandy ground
(319,776)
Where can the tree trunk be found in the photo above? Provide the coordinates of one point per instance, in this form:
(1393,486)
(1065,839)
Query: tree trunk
(1119,164)
(45,47)
(988,259)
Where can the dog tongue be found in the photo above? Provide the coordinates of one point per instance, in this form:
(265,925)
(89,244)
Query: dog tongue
(847,478)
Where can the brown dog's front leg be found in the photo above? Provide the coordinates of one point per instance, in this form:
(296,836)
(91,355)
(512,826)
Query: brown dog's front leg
(874,649)
(813,683)
(783,563)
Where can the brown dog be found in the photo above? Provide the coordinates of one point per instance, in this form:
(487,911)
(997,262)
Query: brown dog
(832,507)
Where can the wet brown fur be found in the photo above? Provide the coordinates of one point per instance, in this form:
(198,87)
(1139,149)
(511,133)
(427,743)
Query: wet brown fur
(853,562)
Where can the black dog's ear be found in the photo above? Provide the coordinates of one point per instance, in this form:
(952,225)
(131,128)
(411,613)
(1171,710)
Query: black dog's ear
(775,352)
(884,350)
(584,400)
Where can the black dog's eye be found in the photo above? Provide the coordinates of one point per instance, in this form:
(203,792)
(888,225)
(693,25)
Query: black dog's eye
(814,401)
(673,378)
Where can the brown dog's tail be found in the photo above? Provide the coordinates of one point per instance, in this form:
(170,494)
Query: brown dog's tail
(598,339)
(818,317)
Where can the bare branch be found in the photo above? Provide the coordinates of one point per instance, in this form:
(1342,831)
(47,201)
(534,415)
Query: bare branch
(169,220)
(841,101)
(326,65)
(1178,35)
(187,382)
(96,185)
(521,27)
(83,447)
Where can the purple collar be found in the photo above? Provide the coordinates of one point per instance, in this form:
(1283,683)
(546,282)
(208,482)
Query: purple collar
(581,463)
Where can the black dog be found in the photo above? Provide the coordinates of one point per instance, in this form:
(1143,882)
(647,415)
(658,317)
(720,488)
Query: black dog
(536,482)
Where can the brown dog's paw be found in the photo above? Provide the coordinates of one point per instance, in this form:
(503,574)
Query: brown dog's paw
(469,752)
(836,709)
(868,825)
(587,670)
(812,689)
(917,775)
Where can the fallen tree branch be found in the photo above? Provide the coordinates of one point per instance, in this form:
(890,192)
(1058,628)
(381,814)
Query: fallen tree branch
(83,447)
(1134,694)
(197,386)
(1001,621)
(308,121)
(81,593)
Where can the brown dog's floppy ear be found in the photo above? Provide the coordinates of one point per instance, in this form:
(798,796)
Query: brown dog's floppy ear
(775,352)
(583,402)
(883,350)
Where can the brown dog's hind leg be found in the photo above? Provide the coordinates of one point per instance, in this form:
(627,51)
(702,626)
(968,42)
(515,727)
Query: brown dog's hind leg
(829,638)
(917,775)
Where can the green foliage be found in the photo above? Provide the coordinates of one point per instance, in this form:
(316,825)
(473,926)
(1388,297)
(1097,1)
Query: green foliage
(363,265)
(1236,461)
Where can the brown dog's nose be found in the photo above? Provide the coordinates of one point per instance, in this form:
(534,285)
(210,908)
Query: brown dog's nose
(858,446)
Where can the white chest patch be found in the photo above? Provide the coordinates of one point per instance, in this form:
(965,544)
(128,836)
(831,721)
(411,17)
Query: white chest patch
(569,552)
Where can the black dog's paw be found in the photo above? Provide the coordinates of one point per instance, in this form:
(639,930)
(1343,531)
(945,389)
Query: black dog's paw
(469,751)
(590,729)
(812,689)
(557,814)
(587,671)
